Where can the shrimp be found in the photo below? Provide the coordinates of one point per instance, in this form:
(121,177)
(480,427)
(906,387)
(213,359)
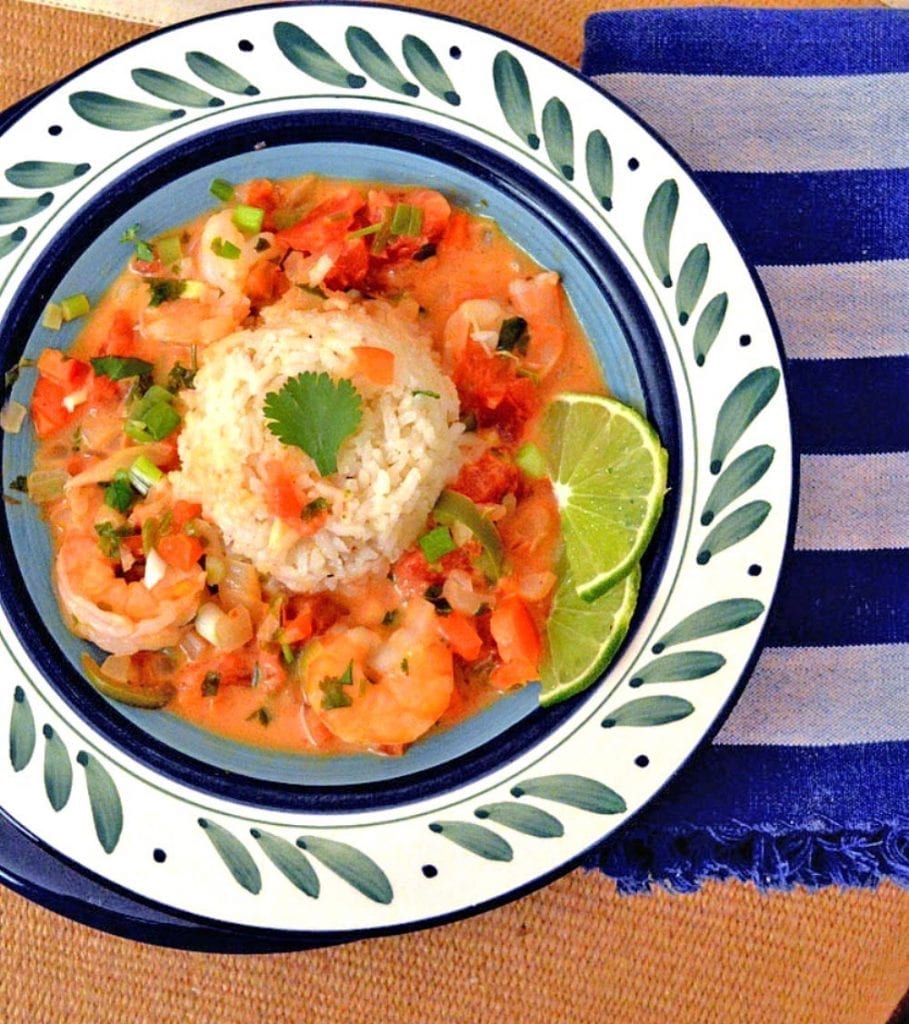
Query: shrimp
(373,691)
(538,300)
(476,319)
(119,616)
(219,270)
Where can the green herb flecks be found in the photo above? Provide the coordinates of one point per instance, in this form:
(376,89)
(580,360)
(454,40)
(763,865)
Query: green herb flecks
(333,693)
(164,289)
(119,493)
(120,367)
(180,377)
(314,508)
(315,414)
(513,336)
(109,537)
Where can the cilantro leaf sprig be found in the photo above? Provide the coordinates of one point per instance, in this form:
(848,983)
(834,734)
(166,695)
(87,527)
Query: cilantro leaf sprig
(316,414)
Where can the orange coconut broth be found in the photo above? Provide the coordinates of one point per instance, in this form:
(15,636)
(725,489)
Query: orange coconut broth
(487,635)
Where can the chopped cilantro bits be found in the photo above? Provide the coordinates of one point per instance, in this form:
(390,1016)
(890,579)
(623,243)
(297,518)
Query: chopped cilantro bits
(19,483)
(315,508)
(316,414)
(513,336)
(109,537)
(333,693)
(180,377)
(164,289)
(119,493)
(120,367)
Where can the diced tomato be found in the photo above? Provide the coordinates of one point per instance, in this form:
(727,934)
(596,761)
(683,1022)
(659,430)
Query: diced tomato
(282,497)
(488,479)
(69,373)
(413,574)
(121,336)
(103,390)
(513,673)
(48,411)
(351,265)
(457,232)
(133,545)
(514,632)
(376,364)
(490,388)
(180,550)
(182,512)
(298,627)
(461,636)
(328,222)
(265,282)
(436,211)
(261,193)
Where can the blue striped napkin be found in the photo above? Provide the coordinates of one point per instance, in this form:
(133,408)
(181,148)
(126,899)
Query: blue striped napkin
(796,123)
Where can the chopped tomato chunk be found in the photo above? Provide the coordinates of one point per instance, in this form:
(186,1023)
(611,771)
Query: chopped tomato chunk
(180,550)
(298,627)
(489,387)
(488,479)
(328,222)
(351,264)
(461,635)
(514,632)
(376,364)
(49,414)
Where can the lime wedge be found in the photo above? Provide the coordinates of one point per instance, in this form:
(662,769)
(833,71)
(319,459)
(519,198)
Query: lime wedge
(583,636)
(608,469)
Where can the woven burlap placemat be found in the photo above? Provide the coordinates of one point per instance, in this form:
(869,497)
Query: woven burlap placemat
(572,952)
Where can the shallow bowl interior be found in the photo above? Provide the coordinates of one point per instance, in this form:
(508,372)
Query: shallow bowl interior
(86,255)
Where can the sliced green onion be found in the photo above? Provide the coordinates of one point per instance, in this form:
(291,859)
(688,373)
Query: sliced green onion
(74,305)
(170,250)
(532,461)
(151,397)
(453,507)
(53,317)
(161,421)
(381,237)
(221,189)
(144,251)
(370,229)
(406,220)
(226,250)
(248,218)
(144,474)
(437,543)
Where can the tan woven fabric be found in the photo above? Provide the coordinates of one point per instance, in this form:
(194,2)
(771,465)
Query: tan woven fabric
(572,953)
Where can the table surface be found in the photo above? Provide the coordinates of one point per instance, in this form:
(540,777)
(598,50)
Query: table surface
(574,951)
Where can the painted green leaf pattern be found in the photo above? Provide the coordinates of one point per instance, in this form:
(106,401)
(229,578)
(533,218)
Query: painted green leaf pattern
(352,865)
(737,478)
(236,857)
(425,66)
(372,58)
(174,90)
(289,860)
(734,528)
(21,731)
(306,54)
(98,108)
(680,667)
(658,224)
(718,617)
(692,278)
(513,93)
(598,157)
(575,790)
(738,411)
(58,771)
(558,135)
(647,711)
(219,75)
(526,818)
(10,241)
(44,173)
(708,326)
(13,208)
(477,838)
(107,809)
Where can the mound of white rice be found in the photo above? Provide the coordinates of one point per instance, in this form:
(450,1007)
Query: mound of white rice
(390,472)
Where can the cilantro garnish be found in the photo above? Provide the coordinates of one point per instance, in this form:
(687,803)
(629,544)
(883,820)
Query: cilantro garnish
(109,537)
(316,414)
(120,367)
(164,289)
(513,336)
(119,493)
(332,687)
(180,377)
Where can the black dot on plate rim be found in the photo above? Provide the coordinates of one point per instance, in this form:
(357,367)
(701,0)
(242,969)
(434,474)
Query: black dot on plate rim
(245,45)
(754,570)
(634,164)
(54,129)
(159,856)
(455,53)
(642,760)
(745,340)
(429,870)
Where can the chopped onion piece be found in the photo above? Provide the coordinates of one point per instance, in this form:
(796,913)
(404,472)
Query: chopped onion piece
(72,401)
(116,667)
(226,631)
(12,416)
(155,569)
(104,470)
(46,484)
(319,269)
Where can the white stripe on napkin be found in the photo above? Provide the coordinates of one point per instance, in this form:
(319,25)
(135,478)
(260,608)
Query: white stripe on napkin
(870,494)
(841,310)
(725,123)
(796,696)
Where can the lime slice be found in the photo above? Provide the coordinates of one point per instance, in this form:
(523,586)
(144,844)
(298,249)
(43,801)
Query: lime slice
(583,636)
(609,473)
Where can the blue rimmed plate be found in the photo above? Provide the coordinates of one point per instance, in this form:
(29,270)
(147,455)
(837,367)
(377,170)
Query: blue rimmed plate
(308,849)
